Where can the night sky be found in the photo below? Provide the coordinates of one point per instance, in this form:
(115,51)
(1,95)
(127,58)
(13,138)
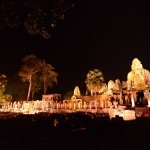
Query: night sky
(101,34)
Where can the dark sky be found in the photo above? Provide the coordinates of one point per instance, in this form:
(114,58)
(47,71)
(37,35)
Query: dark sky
(102,34)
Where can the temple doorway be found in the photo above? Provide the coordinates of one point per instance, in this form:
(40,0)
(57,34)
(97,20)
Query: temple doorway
(140,97)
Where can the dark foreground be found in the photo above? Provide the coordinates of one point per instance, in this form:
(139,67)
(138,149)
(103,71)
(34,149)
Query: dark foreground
(73,131)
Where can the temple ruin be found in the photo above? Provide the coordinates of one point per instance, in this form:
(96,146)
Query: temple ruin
(127,98)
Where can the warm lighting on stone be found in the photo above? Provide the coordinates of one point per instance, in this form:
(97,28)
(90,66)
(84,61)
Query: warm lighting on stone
(74,106)
(57,106)
(84,105)
(132,102)
(90,106)
(69,105)
(129,115)
(148,102)
(102,104)
(79,105)
(114,95)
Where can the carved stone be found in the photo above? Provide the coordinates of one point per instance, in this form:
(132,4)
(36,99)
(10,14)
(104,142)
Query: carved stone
(77,91)
(135,79)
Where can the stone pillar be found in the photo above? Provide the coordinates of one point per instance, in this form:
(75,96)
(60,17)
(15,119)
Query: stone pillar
(91,92)
(132,102)
(148,102)
(84,105)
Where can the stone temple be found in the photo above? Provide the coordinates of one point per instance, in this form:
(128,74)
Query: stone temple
(124,98)
(134,91)
(131,93)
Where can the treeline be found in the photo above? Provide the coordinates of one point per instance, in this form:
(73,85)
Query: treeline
(38,17)
(35,75)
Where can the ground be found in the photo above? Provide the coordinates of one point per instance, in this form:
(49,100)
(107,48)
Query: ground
(72,131)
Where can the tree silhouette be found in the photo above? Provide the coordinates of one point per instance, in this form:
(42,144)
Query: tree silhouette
(36,84)
(31,66)
(36,15)
(48,76)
